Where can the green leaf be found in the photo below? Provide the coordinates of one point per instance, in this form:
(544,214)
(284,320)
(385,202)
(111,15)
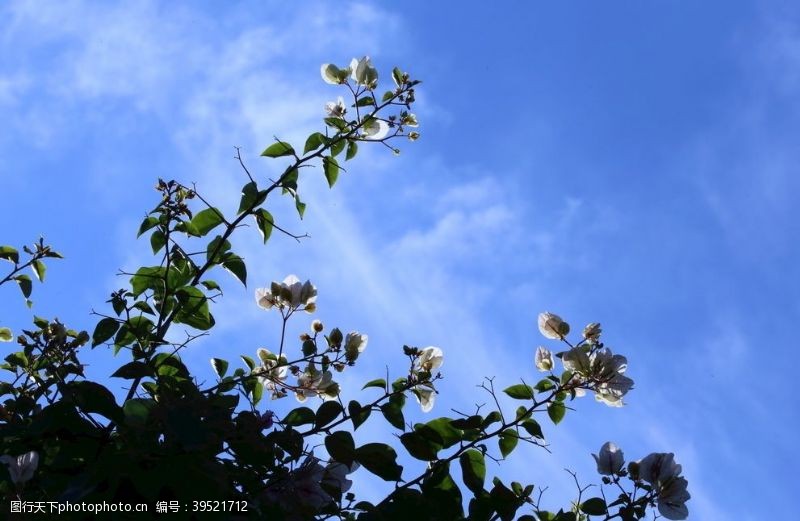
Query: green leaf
(137,411)
(519,392)
(352,150)
(235,264)
(148,277)
(508,441)
(473,470)
(556,411)
(337,123)
(544,385)
(420,447)
(25,285)
(6,335)
(341,447)
(444,430)
(39,269)
(10,254)
(265,222)
(211,285)
(278,149)
(299,416)
(133,370)
(249,361)
(93,397)
(251,197)
(301,206)
(337,147)
(206,220)
(393,413)
(17,359)
(331,168)
(358,414)
(533,428)
(194,309)
(365,101)
(314,141)
(379,383)
(326,413)
(594,506)
(381,460)
(148,223)
(104,330)
(157,240)
(220,366)
(397,76)
(216,249)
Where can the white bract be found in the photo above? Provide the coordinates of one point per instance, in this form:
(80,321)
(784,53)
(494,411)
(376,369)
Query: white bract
(354,344)
(592,332)
(430,359)
(336,109)
(662,472)
(290,294)
(21,468)
(333,74)
(609,460)
(363,72)
(552,326)
(425,395)
(544,359)
(375,129)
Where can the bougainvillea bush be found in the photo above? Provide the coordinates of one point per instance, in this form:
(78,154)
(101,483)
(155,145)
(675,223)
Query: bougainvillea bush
(275,436)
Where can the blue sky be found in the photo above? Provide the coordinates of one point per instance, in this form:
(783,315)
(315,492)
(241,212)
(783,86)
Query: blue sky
(630,163)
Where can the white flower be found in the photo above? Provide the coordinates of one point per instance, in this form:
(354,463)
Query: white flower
(375,129)
(425,395)
(606,371)
(336,109)
(333,74)
(658,467)
(354,343)
(21,468)
(544,359)
(336,476)
(410,120)
(430,359)
(363,72)
(660,470)
(552,326)
(672,498)
(577,361)
(291,294)
(609,460)
(316,383)
(273,371)
(592,332)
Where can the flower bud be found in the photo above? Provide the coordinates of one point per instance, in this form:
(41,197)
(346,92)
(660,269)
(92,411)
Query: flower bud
(317,326)
(544,359)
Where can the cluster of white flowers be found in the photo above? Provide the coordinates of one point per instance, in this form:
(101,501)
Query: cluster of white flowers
(429,360)
(291,294)
(657,469)
(593,366)
(309,487)
(21,468)
(660,470)
(273,372)
(364,74)
(360,71)
(313,382)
